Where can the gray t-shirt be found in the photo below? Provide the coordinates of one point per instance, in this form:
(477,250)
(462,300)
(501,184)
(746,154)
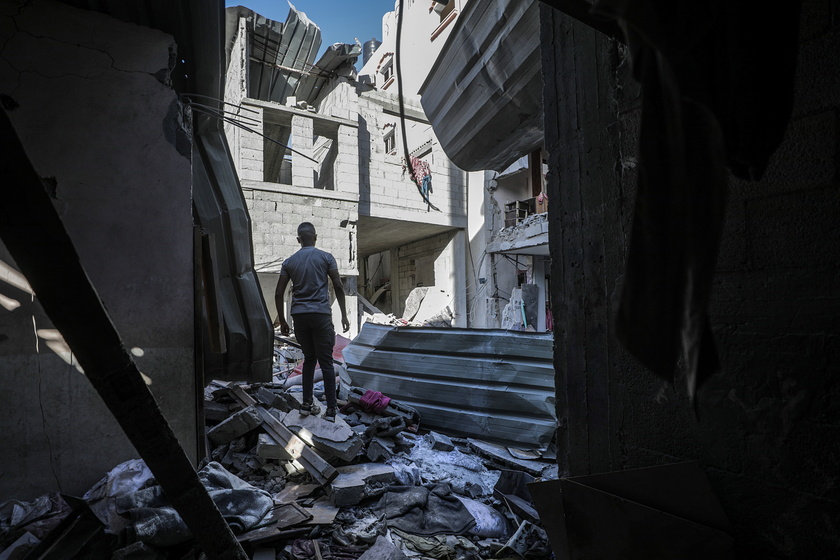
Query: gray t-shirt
(308,269)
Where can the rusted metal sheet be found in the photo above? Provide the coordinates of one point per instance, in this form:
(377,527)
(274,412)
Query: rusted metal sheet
(488,384)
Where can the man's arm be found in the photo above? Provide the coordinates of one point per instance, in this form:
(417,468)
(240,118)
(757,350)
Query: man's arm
(338,288)
(279,301)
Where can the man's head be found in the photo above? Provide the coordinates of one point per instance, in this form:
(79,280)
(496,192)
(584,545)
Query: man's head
(306,234)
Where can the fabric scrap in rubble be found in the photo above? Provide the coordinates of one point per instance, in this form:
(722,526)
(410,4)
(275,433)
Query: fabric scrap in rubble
(156,522)
(374,402)
(425,510)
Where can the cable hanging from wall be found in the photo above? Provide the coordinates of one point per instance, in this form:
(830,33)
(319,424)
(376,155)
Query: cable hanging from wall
(406,154)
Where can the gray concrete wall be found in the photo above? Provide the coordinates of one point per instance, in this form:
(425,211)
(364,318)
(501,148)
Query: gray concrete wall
(99,124)
(766,432)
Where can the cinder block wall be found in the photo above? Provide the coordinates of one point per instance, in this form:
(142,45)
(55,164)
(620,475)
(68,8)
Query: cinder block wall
(384,191)
(96,117)
(276,216)
(766,432)
(413,266)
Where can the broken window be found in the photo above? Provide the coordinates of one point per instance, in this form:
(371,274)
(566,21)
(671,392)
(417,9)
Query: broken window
(391,143)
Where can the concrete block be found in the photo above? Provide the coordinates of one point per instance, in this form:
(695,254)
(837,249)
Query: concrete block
(236,426)
(354,483)
(215,412)
(269,448)
(440,442)
(336,439)
(380,449)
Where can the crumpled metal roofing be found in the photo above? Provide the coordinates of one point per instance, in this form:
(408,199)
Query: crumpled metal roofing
(483,95)
(282,55)
(488,384)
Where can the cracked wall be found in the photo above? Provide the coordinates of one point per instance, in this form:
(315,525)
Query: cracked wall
(95,113)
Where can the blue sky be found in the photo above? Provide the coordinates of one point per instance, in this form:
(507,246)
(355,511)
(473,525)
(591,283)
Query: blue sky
(340,21)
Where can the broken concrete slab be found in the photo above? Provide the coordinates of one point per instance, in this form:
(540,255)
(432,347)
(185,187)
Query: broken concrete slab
(512,488)
(274,400)
(388,426)
(215,412)
(20,547)
(380,449)
(269,448)
(294,492)
(499,455)
(354,483)
(322,512)
(383,549)
(336,439)
(237,425)
(440,442)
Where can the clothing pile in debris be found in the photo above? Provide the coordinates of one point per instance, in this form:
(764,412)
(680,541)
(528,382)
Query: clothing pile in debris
(294,487)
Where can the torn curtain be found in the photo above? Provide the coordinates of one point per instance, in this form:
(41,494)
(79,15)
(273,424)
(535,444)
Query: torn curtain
(717,91)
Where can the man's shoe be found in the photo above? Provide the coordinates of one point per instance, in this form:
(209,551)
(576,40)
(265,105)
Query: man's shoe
(330,415)
(309,408)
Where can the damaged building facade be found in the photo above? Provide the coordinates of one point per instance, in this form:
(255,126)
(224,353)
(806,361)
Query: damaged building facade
(481,238)
(321,146)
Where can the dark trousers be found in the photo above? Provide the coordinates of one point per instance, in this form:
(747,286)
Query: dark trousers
(316,335)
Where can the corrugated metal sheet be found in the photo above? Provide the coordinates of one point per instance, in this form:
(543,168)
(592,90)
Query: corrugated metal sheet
(483,95)
(493,385)
(282,55)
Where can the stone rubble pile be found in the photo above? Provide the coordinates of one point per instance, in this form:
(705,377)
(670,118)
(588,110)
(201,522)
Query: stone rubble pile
(370,485)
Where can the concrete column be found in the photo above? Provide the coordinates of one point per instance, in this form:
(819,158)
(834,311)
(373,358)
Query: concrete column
(347,160)
(303,169)
(249,163)
(397,295)
(458,249)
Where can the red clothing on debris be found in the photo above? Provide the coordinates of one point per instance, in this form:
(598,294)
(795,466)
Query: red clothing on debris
(374,401)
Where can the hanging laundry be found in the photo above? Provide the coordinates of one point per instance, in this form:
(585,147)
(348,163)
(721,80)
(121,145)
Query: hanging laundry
(422,177)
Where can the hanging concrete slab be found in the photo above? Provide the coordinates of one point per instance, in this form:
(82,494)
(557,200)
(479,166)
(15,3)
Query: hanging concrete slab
(487,384)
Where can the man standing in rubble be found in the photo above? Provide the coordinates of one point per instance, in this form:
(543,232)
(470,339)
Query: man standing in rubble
(308,270)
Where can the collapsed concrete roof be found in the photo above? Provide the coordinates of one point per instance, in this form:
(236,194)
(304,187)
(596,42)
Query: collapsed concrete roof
(282,55)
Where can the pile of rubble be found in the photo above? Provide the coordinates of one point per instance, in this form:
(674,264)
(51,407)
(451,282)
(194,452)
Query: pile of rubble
(369,485)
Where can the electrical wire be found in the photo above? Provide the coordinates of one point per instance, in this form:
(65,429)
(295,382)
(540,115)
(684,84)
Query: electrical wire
(238,124)
(407,155)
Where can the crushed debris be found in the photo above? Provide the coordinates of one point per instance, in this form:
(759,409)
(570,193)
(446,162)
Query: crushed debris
(372,484)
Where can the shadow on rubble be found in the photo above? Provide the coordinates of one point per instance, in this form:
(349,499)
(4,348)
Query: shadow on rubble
(371,484)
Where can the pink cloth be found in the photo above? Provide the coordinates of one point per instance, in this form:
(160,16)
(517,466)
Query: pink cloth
(374,401)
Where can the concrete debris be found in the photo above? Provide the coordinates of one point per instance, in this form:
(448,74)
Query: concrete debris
(335,439)
(439,442)
(500,457)
(323,482)
(355,483)
(234,426)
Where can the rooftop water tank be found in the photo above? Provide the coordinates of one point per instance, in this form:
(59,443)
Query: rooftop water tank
(369,48)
